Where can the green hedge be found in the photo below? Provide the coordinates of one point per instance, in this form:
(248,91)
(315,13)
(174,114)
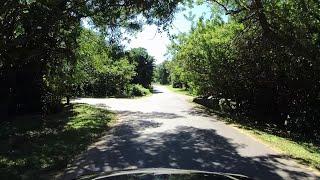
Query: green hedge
(136,90)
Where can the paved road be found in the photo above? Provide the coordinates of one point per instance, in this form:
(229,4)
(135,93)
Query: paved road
(167,131)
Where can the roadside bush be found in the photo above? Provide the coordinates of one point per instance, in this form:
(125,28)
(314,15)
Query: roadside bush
(136,90)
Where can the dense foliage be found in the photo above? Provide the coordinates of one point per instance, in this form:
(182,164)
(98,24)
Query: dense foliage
(101,69)
(136,90)
(144,66)
(104,69)
(264,59)
(38,41)
(162,74)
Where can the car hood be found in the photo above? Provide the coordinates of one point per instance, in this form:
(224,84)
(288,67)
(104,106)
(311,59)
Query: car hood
(162,174)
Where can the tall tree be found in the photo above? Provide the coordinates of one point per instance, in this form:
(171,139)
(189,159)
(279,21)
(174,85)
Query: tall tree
(144,66)
(162,74)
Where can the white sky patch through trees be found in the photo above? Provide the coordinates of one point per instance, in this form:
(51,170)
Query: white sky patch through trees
(156,42)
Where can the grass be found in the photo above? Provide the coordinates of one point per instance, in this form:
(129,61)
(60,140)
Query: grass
(305,153)
(32,148)
(179,90)
(299,149)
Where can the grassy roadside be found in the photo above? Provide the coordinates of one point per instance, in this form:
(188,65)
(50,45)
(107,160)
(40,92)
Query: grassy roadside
(179,90)
(32,148)
(304,152)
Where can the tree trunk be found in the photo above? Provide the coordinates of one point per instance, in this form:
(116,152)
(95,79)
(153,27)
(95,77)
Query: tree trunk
(68,100)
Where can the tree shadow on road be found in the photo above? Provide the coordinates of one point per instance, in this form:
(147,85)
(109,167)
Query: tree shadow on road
(156,91)
(182,148)
(133,116)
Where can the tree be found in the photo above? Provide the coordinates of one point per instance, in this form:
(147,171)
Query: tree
(144,66)
(37,37)
(102,69)
(265,59)
(162,74)
(282,80)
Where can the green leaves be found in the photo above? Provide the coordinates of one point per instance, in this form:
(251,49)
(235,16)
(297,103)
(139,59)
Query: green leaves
(201,53)
(102,69)
(39,38)
(144,66)
(265,59)
(162,74)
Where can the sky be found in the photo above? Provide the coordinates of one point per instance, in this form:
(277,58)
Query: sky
(156,42)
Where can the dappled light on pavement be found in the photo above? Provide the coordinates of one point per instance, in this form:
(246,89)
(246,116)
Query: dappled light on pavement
(165,131)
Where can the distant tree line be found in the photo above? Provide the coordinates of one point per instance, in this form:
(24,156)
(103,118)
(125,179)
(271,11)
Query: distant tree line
(264,60)
(103,69)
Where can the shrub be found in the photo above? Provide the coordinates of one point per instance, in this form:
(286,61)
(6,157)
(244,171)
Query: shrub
(136,90)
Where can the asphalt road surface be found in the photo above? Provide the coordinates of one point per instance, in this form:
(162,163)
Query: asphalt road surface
(165,130)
